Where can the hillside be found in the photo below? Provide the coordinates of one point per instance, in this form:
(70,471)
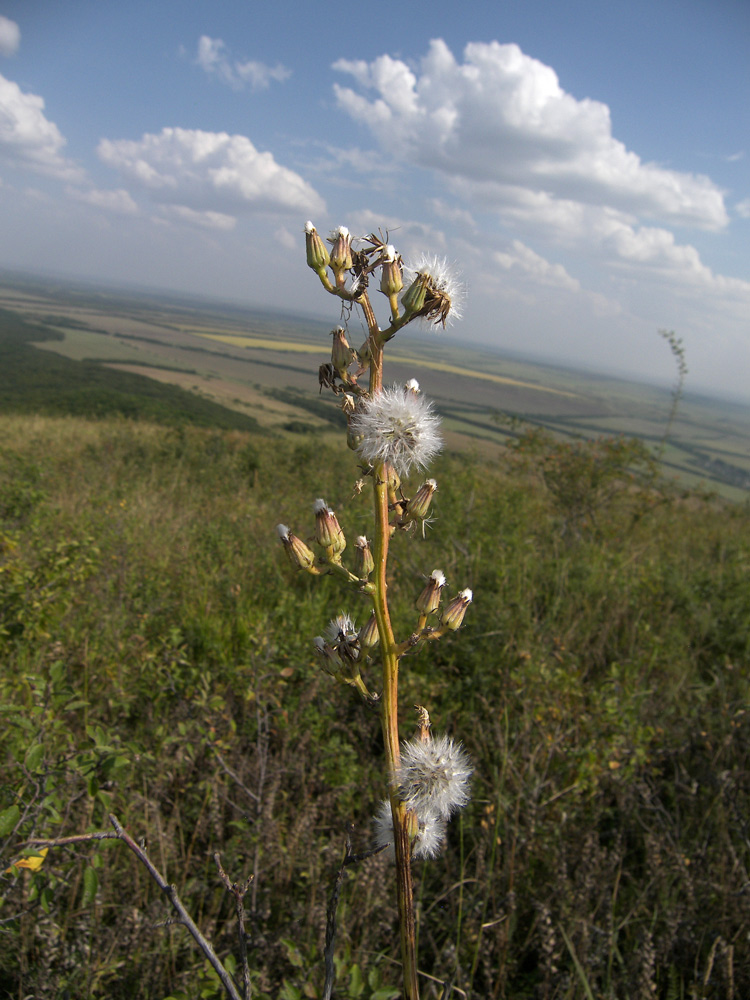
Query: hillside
(158,664)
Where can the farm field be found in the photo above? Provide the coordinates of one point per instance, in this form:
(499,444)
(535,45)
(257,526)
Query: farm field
(264,365)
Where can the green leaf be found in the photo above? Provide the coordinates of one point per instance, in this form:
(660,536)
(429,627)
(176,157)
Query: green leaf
(356,982)
(90,886)
(8,819)
(386,993)
(34,757)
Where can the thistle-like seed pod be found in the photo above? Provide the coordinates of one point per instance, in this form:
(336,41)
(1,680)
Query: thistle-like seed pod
(341,353)
(419,505)
(300,555)
(363,561)
(429,600)
(391,275)
(318,257)
(368,634)
(328,532)
(341,250)
(429,838)
(453,614)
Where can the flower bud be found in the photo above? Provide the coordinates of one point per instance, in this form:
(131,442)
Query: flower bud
(454,612)
(414,297)
(341,352)
(419,505)
(429,600)
(368,634)
(363,561)
(328,531)
(318,257)
(341,249)
(300,555)
(391,275)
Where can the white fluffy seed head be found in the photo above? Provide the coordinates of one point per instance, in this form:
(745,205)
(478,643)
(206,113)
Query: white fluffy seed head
(443,283)
(428,841)
(397,427)
(433,776)
(341,625)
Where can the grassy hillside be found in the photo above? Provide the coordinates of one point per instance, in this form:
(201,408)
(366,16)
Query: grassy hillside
(37,381)
(158,664)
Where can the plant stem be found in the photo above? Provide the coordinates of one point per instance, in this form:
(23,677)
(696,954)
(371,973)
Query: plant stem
(389,703)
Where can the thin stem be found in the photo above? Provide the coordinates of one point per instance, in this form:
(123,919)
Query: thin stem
(389,709)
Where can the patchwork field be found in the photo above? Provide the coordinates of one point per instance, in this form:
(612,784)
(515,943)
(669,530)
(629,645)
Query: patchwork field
(265,365)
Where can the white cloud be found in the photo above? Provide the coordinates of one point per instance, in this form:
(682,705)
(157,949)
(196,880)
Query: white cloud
(118,201)
(204,220)
(742,208)
(209,172)
(524,259)
(213,59)
(28,139)
(10,36)
(501,119)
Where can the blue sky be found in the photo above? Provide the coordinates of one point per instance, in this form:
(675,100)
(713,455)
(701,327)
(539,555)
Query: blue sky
(585,164)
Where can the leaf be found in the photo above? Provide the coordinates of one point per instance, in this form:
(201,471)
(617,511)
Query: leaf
(90,886)
(34,757)
(8,819)
(34,862)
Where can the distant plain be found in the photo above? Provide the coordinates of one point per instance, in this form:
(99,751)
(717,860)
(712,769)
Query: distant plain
(265,366)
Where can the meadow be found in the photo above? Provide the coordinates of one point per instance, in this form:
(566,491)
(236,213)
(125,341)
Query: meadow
(158,665)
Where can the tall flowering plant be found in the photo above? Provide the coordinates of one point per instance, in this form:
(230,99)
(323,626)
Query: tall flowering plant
(395,432)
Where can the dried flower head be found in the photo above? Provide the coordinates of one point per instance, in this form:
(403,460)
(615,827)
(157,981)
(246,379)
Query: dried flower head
(435,294)
(433,776)
(397,427)
(428,841)
(341,636)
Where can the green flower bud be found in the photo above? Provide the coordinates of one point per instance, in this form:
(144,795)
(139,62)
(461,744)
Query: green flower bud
(318,257)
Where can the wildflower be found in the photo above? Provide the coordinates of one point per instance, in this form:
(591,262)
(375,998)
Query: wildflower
(435,294)
(300,555)
(453,615)
(433,776)
(397,427)
(429,838)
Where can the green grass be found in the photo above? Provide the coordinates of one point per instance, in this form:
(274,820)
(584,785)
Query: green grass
(157,663)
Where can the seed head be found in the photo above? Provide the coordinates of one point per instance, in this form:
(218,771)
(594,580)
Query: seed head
(428,841)
(433,776)
(397,427)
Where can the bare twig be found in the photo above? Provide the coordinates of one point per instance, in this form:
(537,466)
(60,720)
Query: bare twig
(169,891)
(348,860)
(238,891)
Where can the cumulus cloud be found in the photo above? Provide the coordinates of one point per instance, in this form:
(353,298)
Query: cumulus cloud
(28,139)
(119,202)
(203,220)
(10,36)
(742,208)
(500,120)
(525,260)
(212,57)
(209,172)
